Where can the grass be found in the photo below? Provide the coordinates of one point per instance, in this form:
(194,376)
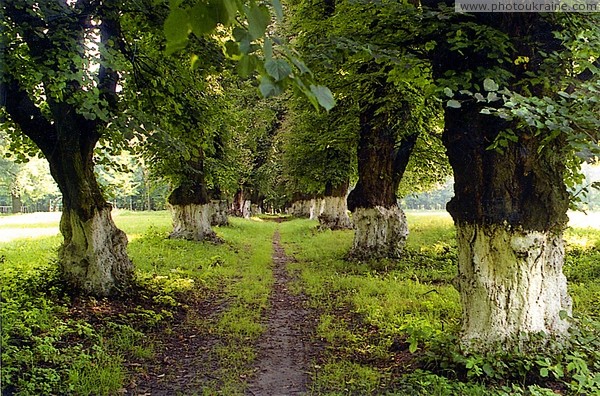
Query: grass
(388,325)
(54,344)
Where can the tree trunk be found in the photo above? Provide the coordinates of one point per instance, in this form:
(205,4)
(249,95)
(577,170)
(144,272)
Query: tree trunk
(247,209)
(191,209)
(380,224)
(511,283)
(510,212)
(333,213)
(192,222)
(380,233)
(219,212)
(17,205)
(93,256)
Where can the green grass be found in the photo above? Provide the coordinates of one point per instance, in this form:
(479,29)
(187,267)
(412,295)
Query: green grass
(45,350)
(384,321)
(388,325)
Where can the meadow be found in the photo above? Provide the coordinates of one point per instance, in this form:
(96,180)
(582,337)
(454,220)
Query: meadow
(384,327)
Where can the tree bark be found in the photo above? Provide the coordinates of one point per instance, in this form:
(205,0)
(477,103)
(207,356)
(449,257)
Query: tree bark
(333,212)
(509,207)
(380,224)
(219,212)
(511,283)
(191,208)
(16,203)
(510,212)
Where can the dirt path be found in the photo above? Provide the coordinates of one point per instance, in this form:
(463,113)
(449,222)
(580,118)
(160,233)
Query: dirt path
(284,350)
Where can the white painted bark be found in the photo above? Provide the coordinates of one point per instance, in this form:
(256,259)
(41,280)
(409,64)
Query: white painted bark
(93,256)
(511,284)
(255,210)
(301,208)
(333,213)
(247,209)
(380,232)
(192,222)
(219,212)
(313,210)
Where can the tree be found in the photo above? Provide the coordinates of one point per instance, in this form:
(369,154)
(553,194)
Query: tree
(181,113)
(510,199)
(319,162)
(379,72)
(60,93)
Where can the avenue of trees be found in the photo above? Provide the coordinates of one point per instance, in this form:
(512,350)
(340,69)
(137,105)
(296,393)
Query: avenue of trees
(507,104)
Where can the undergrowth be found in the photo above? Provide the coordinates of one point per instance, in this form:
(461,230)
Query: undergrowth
(56,343)
(391,327)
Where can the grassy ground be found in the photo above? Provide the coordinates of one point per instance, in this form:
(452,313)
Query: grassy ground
(388,326)
(55,344)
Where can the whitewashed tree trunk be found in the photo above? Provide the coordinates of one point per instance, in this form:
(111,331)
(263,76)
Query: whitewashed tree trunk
(219,213)
(255,210)
(334,213)
(313,210)
(192,222)
(299,209)
(93,256)
(247,209)
(511,283)
(380,232)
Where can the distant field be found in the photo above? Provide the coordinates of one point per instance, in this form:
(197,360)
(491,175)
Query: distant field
(42,224)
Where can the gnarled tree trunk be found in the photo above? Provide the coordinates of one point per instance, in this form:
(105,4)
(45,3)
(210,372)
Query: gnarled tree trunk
(509,207)
(191,209)
(333,212)
(219,212)
(380,224)
(510,212)
(93,257)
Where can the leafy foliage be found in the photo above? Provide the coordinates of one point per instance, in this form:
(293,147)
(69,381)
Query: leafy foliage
(248,41)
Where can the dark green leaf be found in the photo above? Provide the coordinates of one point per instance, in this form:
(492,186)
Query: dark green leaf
(268,88)
(258,20)
(278,69)
(203,19)
(324,96)
(176,28)
(278,10)
(246,65)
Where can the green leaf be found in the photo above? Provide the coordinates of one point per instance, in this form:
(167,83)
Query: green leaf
(268,49)
(231,7)
(562,313)
(246,65)
(203,19)
(488,370)
(278,10)
(259,18)
(490,85)
(324,96)
(453,103)
(544,372)
(232,49)
(413,346)
(278,69)
(177,28)
(268,88)
(448,92)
